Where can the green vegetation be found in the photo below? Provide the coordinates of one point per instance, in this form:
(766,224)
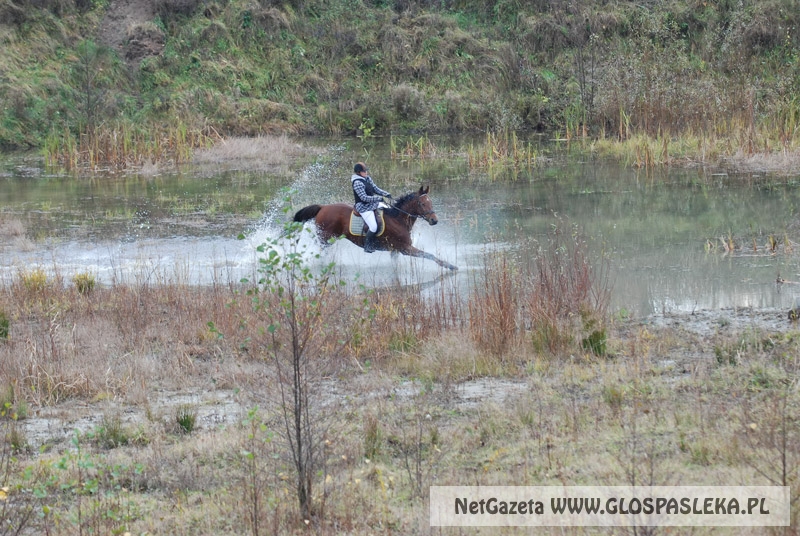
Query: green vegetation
(722,74)
(84,282)
(363,399)
(186,419)
(5,325)
(34,280)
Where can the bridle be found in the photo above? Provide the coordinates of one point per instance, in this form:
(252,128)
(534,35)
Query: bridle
(424,215)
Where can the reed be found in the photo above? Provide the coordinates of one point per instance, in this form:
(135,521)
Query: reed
(123,146)
(413,148)
(494,309)
(735,142)
(501,150)
(555,304)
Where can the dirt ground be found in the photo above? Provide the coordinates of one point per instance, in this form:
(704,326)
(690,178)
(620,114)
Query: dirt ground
(689,341)
(123,29)
(694,384)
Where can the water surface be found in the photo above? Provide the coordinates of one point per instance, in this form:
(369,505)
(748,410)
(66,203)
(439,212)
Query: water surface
(661,233)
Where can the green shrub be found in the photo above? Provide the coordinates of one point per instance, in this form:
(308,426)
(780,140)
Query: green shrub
(111,434)
(84,282)
(186,419)
(595,342)
(5,325)
(34,280)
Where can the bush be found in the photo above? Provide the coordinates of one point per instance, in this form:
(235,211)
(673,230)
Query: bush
(111,434)
(186,419)
(408,102)
(34,280)
(84,282)
(5,325)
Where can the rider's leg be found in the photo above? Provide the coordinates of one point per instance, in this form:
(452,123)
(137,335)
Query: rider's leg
(369,239)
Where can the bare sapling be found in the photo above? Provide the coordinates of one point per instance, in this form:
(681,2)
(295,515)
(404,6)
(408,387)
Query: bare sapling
(296,301)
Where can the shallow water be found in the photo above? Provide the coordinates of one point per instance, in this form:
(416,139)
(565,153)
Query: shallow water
(661,234)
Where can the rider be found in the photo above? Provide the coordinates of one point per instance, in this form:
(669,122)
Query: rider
(368,199)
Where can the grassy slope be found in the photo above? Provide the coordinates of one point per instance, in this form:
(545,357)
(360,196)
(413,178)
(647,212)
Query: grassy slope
(606,68)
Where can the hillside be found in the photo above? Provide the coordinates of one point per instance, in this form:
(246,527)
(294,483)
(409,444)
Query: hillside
(605,69)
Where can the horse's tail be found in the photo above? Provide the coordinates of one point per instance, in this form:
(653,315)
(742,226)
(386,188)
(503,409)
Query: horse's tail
(307,213)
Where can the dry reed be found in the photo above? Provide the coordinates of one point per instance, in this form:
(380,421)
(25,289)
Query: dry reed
(396,426)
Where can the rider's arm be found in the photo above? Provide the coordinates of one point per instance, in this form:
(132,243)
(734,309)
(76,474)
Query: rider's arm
(379,190)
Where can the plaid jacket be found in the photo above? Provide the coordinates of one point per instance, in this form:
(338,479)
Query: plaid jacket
(367,193)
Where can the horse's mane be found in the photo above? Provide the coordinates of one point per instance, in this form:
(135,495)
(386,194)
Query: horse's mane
(392,211)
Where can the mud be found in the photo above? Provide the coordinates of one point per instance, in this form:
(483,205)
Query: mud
(54,427)
(713,322)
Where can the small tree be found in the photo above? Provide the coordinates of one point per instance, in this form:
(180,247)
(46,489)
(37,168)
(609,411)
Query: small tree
(770,425)
(95,73)
(297,302)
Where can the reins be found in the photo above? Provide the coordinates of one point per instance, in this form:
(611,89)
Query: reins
(413,215)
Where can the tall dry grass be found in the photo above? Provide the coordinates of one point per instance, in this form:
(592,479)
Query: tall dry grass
(122,342)
(261,151)
(548,305)
(411,413)
(119,147)
(66,343)
(494,308)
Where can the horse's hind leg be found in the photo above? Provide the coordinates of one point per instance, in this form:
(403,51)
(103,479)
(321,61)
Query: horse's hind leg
(411,251)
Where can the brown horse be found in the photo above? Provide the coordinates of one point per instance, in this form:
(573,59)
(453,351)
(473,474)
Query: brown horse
(334,221)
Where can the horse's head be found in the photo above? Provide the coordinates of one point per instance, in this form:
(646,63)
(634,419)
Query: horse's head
(420,205)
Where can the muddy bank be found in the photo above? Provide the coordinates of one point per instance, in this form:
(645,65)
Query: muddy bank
(688,340)
(732,320)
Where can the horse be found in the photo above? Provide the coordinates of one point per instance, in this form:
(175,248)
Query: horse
(334,221)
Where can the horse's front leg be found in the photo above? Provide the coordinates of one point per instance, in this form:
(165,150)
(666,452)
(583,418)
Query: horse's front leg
(411,251)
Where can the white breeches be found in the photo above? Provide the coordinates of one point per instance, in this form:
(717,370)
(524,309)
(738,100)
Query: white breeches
(369,219)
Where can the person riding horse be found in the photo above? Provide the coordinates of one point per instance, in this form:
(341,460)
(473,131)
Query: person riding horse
(368,198)
(333,221)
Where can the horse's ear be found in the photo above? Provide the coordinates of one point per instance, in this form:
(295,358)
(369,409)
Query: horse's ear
(424,190)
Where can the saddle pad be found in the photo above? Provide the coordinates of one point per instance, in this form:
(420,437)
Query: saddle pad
(357,224)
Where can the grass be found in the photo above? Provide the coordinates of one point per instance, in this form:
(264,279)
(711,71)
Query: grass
(186,419)
(446,402)
(578,71)
(125,146)
(732,149)
(270,151)
(502,150)
(5,325)
(84,282)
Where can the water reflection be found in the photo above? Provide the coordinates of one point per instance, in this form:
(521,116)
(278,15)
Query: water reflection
(664,234)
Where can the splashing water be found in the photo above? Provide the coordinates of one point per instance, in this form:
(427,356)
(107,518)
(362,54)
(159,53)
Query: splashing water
(157,246)
(315,185)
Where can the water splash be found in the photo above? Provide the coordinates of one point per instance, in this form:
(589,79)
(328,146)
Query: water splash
(137,257)
(314,184)
(323,183)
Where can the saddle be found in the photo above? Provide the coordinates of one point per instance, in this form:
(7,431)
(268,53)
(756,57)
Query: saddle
(359,228)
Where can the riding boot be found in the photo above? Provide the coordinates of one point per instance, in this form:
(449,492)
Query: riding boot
(370,242)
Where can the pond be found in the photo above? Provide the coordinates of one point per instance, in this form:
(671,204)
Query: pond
(665,234)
